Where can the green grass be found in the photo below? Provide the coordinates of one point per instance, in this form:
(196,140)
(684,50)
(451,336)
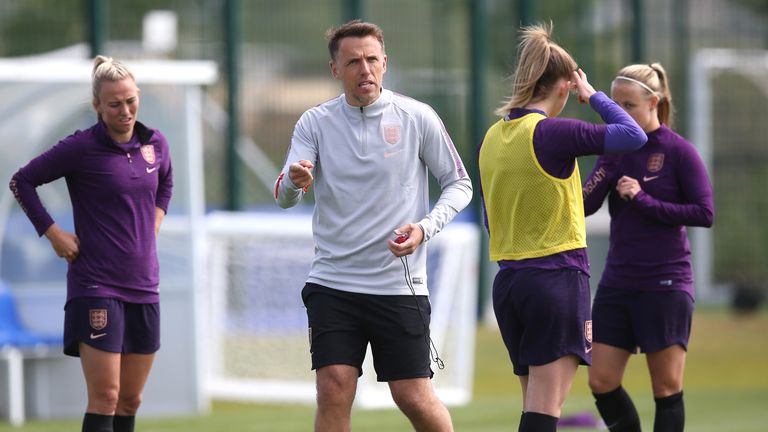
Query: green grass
(726,389)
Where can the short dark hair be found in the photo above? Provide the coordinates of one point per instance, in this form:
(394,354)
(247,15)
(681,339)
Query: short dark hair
(354,28)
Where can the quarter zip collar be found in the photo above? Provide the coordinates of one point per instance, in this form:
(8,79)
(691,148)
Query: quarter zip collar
(374,109)
(359,116)
(141,135)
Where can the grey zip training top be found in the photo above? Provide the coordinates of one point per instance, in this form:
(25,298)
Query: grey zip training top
(370,177)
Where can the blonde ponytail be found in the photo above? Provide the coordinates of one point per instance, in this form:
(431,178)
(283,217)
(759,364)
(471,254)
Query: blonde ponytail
(540,64)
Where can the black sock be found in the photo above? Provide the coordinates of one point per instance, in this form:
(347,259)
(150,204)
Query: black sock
(670,413)
(617,410)
(124,423)
(537,422)
(97,423)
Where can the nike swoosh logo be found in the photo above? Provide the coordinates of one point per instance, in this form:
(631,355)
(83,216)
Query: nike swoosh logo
(96,336)
(151,170)
(390,154)
(647,179)
(587,350)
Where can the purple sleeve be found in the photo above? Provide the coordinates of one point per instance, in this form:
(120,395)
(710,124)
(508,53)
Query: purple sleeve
(600,182)
(49,166)
(558,141)
(698,209)
(165,180)
(562,139)
(622,133)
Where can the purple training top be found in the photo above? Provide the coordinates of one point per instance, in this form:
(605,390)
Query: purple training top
(114,189)
(649,246)
(558,141)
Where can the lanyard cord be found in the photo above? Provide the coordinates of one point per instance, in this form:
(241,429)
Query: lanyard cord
(430,344)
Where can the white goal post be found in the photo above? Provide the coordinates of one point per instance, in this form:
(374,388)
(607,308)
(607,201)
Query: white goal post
(704,66)
(259,349)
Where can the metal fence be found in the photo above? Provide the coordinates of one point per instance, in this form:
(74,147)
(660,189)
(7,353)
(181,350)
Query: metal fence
(453,54)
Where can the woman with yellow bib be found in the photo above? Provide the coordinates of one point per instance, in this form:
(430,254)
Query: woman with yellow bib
(532,195)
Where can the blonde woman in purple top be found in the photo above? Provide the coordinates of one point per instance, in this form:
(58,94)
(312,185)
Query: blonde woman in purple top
(119,177)
(531,192)
(645,296)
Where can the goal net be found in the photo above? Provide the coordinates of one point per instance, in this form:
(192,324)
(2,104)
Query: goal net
(258,264)
(726,107)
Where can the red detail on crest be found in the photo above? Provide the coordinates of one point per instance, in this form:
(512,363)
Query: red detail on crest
(588,330)
(148,153)
(655,162)
(98,318)
(392,134)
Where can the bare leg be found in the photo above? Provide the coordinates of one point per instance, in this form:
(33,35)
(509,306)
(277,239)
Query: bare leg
(133,376)
(336,387)
(524,387)
(102,377)
(666,368)
(549,384)
(608,365)
(417,400)
(605,377)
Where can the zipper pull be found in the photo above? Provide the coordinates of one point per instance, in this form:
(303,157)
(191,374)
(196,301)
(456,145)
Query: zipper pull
(130,162)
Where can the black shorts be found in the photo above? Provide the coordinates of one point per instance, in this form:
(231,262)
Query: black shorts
(111,325)
(543,315)
(649,320)
(342,324)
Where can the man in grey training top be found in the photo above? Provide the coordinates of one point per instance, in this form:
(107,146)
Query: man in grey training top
(367,153)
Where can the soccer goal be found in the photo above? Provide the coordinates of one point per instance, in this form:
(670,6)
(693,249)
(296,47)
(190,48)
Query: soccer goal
(727,96)
(258,264)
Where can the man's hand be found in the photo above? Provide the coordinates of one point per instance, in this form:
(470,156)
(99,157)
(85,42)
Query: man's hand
(300,173)
(407,247)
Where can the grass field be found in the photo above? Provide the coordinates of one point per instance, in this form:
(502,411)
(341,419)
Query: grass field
(726,389)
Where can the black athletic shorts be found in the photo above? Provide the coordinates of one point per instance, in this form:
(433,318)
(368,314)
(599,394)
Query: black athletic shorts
(543,315)
(649,320)
(342,324)
(111,325)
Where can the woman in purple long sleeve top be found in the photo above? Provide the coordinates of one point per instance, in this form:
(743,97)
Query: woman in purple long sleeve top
(119,177)
(531,191)
(645,295)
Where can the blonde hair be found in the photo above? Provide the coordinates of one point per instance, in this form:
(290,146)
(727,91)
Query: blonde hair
(107,69)
(540,64)
(652,78)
